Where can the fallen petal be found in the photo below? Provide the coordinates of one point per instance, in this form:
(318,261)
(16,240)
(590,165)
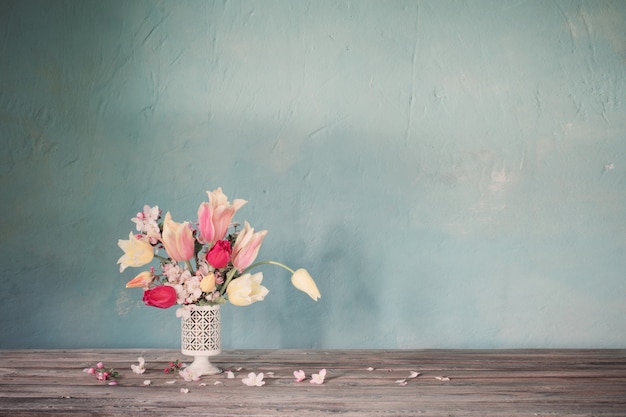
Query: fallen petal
(230,375)
(442,378)
(171,382)
(147,382)
(370,369)
(184,390)
(414,374)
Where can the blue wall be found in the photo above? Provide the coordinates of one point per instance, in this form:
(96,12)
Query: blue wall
(453,174)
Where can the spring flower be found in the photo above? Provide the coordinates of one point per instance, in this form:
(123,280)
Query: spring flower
(219,255)
(299,375)
(215,217)
(318,378)
(163,296)
(208,283)
(203,263)
(142,280)
(246,289)
(140,368)
(188,375)
(146,222)
(137,252)
(247,247)
(302,280)
(254,380)
(177,239)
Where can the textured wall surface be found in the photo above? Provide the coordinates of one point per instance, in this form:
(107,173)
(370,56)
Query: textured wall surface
(453,174)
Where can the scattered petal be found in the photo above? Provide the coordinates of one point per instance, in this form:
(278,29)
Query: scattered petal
(442,378)
(230,375)
(217,383)
(299,375)
(173,381)
(401,382)
(318,378)
(414,374)
(184,390)
(147,382)
(113,383)
(99,365)
(202,384)
(239,368)
(254,380)
(370,369)
(269,373)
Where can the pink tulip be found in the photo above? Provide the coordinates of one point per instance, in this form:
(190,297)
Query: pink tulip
(247,247)
(163,296)
(215,217)
(177,239)
(219,255)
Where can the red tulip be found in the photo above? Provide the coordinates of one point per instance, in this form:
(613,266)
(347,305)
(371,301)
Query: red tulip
(219,255)
(163,296)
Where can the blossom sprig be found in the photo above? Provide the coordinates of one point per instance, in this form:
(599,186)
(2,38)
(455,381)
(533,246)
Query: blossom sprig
(208,262)
(174,366)
(101,373)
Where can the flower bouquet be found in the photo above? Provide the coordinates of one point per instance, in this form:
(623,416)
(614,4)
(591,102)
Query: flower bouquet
(206,263)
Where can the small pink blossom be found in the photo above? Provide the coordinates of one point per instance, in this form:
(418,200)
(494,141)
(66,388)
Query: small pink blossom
(318,378)
(299,375)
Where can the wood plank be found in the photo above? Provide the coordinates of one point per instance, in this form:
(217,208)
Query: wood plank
(482,383)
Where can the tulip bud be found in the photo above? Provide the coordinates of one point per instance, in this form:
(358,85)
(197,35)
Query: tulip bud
(208,283)
(302,280)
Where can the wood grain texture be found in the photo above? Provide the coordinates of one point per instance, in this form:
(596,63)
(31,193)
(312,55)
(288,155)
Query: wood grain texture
(482,383)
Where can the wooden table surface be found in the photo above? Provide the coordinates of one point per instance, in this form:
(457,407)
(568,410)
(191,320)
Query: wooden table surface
(502,383)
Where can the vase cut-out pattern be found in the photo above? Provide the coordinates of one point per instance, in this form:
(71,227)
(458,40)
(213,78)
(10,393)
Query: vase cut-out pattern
(201,331)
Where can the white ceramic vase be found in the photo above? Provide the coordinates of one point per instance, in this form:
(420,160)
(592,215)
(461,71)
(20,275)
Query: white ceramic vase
(201,337)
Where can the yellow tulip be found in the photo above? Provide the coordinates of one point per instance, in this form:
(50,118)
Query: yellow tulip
(142,280)
(208,283)
(246,289)
(302,280)
(136,252)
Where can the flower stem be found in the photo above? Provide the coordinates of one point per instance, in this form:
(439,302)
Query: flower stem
(267,263)
(190,267)
(229,278)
